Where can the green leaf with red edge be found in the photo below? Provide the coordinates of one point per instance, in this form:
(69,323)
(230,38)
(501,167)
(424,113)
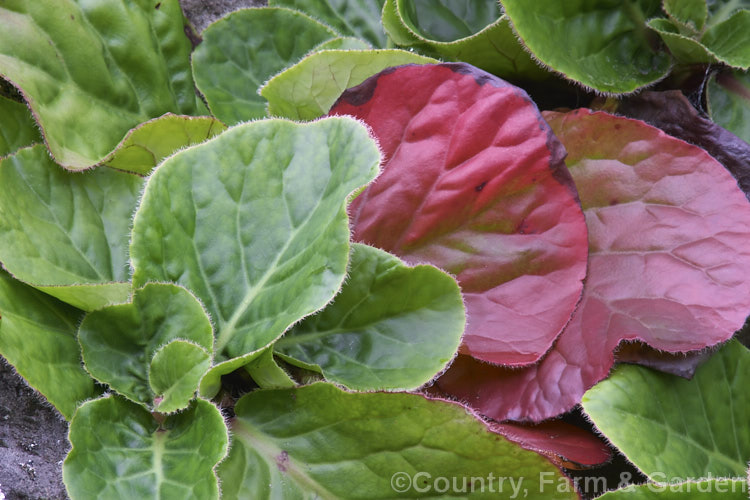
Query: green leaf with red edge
(669,252)
(474,183)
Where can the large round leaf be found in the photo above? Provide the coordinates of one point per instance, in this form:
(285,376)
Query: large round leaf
(67,233)
(254,223)
(602,44)
(243,50)
(318,441)
(390,327)
(121,451)
(474,183)
(670,427)
(93,69)
(669,237)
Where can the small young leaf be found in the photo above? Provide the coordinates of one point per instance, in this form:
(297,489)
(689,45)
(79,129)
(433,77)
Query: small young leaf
(728,97)
(318,441)
(38,337)
(684,48)
(120,344)
(730,40)
(308,89)
(174,373)
(690,13)
(121,62)
(244,49)
(696,489)
(67,233)
(472,32)
(474,183)
(267,373)
(254,223)
(149,143)
(670,426)
(602,44)
(357,18)
(17,127)
(120,451)
(390,327)
(669,256)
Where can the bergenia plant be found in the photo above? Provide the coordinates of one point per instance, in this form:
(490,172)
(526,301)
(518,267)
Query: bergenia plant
(332,252)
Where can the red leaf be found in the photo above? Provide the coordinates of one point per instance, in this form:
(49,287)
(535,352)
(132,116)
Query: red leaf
(474,183)
(669,236)
(566,445)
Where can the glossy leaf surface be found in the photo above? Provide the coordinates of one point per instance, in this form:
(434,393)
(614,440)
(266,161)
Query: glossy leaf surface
(474,183)
(254,223)
(308,89)
(38,337)
(469,31)
(317,441)
(64,232)
(120,451)
(675,427)
(390,327)
(121,344)
(601,44)
(124,62)
(668,238)
(237,56)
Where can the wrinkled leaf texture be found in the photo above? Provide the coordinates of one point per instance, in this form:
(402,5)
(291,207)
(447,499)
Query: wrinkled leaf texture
(474,183)
(669,256)
(123,62)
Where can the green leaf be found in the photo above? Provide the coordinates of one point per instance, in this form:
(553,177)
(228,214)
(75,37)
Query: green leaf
(149,143)
(121,451)
(357,18)
(254,223)
(467,31)
(730,40)
(690,13)
(244,49)
(602,44)
(342,43)
(267,373)
(126,344)
(67,233)
(318,441)
(683,48)
(728,489)
(123,62)
(728,96)
(17,127)
(38,337)
(391,326)
(308,89)
(174,373)
(669,426)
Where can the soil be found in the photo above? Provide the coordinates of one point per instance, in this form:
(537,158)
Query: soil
(33,435)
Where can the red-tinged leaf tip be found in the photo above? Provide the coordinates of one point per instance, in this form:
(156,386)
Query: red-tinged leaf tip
(669,261)
(567,445)
(474,182)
